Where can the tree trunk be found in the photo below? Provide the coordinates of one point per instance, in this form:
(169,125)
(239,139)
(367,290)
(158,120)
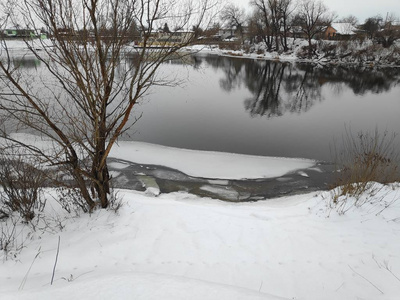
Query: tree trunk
(80,181)
(100,172)
(102,186)
(310,50)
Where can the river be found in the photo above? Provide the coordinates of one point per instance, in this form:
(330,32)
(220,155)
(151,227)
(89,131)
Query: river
(268,108)
(254,107)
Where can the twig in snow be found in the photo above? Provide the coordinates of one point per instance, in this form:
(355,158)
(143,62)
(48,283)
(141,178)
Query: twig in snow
(339,287)
(55,263)
(259,290)
(385,265)
(21,286)
(366,279)
(83,274)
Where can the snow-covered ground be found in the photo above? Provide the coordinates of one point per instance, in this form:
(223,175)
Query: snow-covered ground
(180,246)
(262,54)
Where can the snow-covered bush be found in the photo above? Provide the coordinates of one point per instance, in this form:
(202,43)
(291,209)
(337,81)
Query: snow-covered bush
(304,51)
(358,52)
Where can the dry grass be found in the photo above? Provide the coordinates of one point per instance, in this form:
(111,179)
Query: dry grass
(363,159)
(235,46)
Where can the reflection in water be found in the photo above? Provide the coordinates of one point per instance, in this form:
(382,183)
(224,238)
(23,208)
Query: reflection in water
(26,63)
(265,84)
(259,107)
(277,87)
(281,87)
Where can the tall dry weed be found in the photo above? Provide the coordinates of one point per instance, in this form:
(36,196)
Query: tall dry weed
(364,158)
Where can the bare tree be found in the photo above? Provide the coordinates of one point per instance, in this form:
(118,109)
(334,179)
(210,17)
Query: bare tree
(266,27)
(234,16)
(350,19)
(286,10)
(390,31)
(83,102)
(255,29)
(273,7)
(312,17)
(372,25)
(275,15)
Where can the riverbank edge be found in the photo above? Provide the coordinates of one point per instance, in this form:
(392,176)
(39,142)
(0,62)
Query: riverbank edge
(293,55)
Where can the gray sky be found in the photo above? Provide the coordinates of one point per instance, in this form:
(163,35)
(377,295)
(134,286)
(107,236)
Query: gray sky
(362,9)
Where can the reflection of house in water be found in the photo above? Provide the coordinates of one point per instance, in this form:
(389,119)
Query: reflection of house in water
(168,39)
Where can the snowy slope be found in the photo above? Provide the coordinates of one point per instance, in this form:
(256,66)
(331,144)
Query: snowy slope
(179,246)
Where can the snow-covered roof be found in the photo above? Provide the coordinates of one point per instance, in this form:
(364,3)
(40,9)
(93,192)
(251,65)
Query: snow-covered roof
(344,28)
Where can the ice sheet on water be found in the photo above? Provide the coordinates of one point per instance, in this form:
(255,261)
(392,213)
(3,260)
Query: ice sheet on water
(115,174)
(118,165)
(170,175)
(304,174)
(218,181)
(227,193)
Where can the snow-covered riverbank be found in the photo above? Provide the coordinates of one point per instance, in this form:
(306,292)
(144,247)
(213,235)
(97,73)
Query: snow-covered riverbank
(180,246)
(363,53)
(327,52)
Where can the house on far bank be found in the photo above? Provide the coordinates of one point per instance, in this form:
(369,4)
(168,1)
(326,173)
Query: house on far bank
(22,34)
(226,32)
(168,39)
(232,33)
(340,31)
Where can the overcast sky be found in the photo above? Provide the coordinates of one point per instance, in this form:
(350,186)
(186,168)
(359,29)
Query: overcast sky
(362,9)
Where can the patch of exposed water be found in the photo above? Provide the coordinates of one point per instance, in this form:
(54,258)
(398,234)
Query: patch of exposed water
(159,179)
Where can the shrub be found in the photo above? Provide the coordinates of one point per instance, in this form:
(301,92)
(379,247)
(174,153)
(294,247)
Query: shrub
(363,159)
(21,188)
(328,49)
(235,46)
(71,200)
(260,51)
(305,51)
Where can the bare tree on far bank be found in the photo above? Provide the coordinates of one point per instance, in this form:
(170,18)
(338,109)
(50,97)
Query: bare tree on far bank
(389,31)
(312,17)
(93,81)
(382,31)
(275,17)
(235,17)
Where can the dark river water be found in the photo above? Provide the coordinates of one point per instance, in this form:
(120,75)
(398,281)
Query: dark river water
(266,107)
